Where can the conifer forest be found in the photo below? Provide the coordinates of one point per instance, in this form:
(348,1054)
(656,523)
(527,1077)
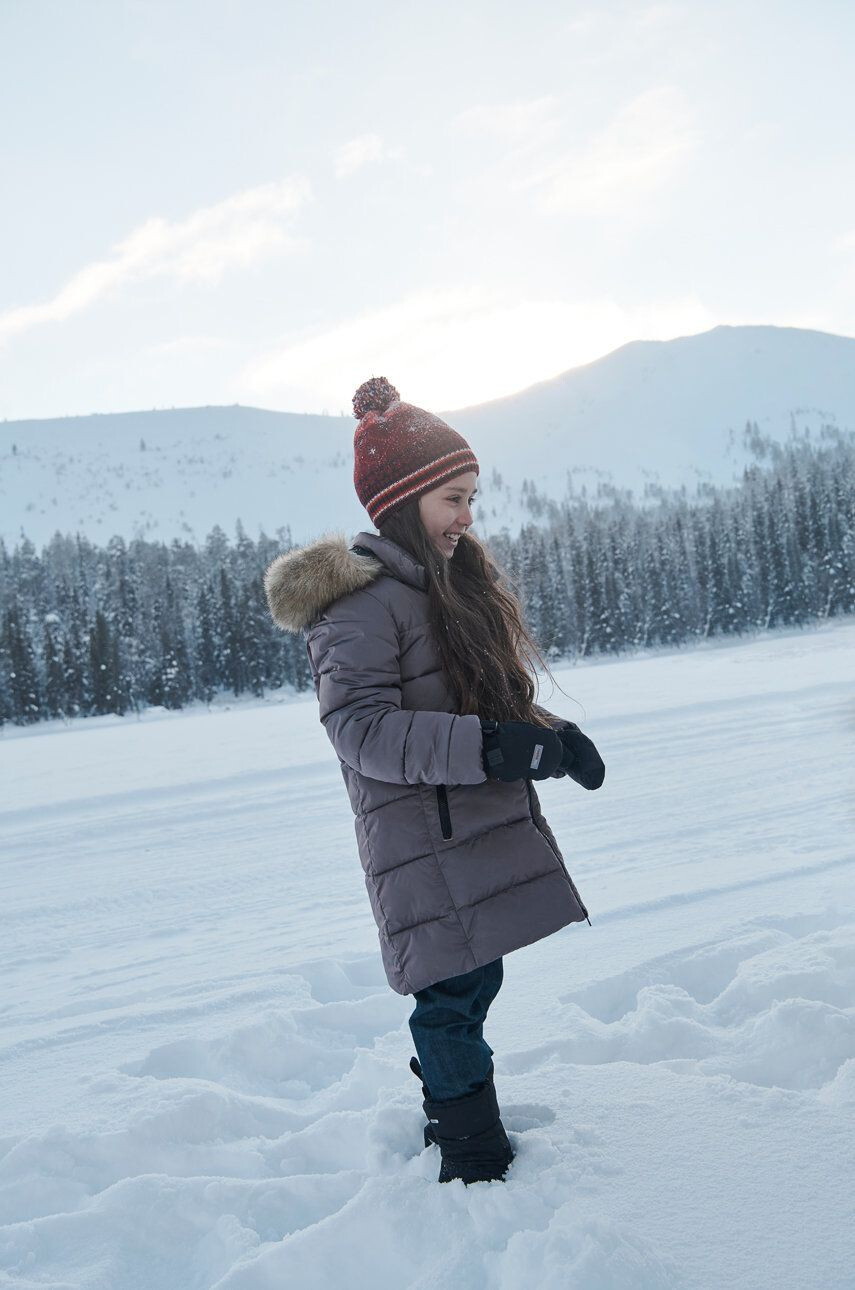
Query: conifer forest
(89,630)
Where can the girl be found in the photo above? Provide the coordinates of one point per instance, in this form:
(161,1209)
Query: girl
(423,670)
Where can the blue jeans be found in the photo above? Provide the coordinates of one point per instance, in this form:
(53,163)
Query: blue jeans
(447,1029)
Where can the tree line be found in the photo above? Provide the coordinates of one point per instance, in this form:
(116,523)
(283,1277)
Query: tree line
(88,630)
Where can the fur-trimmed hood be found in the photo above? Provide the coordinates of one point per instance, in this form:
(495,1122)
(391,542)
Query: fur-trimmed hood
(301,583)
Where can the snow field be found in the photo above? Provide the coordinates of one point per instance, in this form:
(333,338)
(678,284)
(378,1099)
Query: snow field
(288,1151)
(207,1072)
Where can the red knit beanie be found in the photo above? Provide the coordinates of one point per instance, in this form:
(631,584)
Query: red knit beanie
(400,451)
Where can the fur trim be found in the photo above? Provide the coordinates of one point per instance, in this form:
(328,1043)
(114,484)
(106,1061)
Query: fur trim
(300,584)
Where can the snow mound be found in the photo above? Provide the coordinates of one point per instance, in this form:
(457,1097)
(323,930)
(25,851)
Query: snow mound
(289,1151)
(780,1017)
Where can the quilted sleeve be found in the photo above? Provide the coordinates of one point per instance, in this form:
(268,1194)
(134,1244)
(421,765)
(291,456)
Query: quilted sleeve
(355,656)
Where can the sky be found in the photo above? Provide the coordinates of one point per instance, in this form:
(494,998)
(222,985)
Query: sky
(268,201)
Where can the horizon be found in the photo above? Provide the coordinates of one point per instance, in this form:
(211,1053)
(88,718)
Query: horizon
(255,407)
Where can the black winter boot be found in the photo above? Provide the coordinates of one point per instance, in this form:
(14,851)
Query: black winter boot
(469,1133)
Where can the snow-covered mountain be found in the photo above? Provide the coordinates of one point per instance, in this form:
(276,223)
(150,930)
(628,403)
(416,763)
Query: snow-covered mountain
(669,412)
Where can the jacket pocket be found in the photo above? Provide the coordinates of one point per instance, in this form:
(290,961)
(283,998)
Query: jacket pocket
(444,813)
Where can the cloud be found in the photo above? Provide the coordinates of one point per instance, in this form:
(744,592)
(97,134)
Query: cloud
(182,346)
(837,302)
(659,15)
(845,242)
(633,157)
(361,151)
(247,227)
(619,27)
(519,121)
(446,348)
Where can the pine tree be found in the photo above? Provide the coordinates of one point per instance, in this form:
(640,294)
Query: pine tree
(101,685)
(207,677)
(24,689)
(54,693)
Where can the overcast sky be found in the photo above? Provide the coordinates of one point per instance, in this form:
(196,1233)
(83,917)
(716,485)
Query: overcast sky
(268,201)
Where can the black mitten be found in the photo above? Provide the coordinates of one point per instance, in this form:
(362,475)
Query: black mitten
(581,761)
(520,750)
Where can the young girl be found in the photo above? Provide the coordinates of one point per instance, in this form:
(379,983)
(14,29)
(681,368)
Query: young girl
(423,668)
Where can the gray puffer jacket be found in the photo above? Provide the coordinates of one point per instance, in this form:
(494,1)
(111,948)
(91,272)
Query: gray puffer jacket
(460,868)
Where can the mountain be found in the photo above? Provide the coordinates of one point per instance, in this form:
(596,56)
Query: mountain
(651,412)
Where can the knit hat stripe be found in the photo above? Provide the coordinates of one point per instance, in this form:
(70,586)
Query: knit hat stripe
(424,485)
(426,471)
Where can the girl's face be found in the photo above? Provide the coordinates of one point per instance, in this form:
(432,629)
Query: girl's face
(445,510)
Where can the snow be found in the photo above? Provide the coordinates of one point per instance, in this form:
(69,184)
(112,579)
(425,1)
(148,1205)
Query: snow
(668,412)
(204,1072)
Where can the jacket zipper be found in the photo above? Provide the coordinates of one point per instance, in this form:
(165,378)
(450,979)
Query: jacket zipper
(444,813)
(555,853)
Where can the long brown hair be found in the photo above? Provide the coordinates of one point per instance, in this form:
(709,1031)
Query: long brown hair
(485,648)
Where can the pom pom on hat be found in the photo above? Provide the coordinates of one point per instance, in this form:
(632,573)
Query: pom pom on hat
(373,395)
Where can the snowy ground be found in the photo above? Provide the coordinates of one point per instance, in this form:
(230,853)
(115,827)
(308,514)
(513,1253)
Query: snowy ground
(204,1074)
